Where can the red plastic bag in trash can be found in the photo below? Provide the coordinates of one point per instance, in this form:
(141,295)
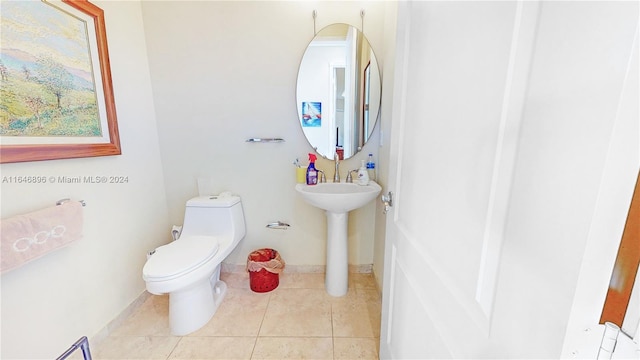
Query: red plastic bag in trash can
(264,266)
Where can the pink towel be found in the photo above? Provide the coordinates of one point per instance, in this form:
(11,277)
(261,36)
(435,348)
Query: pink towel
(27,237)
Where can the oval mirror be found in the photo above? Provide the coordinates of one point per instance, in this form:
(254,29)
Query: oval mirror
(338,91)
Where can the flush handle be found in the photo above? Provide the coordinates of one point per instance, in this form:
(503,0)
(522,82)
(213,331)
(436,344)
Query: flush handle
(387,200)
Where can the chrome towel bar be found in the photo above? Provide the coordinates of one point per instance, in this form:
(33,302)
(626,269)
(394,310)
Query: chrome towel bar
(265,140)
(62,201)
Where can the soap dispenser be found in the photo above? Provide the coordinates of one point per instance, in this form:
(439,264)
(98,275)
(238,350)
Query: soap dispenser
(363,175)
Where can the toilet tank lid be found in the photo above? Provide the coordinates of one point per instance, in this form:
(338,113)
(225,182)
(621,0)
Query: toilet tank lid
(214,201)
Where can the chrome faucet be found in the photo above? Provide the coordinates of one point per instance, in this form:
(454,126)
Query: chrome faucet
(336,176)
(321,177)
(349,177)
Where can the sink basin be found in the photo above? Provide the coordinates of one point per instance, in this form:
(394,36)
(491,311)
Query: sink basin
(338,197)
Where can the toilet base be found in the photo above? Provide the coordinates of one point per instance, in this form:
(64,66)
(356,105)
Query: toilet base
(192,308)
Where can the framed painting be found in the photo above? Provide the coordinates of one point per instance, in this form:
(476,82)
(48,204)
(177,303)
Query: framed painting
(56,94)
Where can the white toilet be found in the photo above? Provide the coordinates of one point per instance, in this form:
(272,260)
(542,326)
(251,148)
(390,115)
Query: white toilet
(188,269)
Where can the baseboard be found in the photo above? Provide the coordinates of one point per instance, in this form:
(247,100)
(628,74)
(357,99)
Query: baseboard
(354,269)
(361,269)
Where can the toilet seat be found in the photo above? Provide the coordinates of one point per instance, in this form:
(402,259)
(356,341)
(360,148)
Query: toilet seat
(179,257)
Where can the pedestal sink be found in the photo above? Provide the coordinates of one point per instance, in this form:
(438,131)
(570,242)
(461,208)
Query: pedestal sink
(337,199)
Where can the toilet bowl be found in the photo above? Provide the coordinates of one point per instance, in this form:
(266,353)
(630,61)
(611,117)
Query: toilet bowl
(188,269)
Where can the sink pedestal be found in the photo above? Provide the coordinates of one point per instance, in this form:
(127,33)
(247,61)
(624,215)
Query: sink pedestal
(336,280)
(337,199)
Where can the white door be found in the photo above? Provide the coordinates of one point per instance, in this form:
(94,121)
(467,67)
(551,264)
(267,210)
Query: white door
(474,161)
(452,153)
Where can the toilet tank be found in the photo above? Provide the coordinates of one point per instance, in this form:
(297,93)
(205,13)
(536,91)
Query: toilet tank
(214,215)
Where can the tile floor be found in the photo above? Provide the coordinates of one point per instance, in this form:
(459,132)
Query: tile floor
(298,320)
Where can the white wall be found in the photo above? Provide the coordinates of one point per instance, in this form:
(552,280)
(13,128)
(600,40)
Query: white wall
(51,302)
(224,72)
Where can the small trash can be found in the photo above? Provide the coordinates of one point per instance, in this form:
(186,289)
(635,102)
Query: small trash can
(264,266)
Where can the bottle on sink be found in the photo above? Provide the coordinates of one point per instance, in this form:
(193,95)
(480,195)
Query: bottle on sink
(371,168)
(312,173)
(363,175)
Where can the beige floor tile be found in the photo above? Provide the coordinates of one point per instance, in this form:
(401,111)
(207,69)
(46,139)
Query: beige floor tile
(298,320)
(150,319)
(298,312)
(135,347)
(236,280)
(240,314)
(215,347)
(301,280)
(355,348)
(369,295)
(77,355)
(362,281)
(374,307)
(293,348)
(351,318)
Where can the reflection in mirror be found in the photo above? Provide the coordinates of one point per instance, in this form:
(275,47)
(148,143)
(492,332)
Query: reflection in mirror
(338,91)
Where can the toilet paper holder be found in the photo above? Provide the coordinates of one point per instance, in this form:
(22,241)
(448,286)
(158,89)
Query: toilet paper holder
(279,225)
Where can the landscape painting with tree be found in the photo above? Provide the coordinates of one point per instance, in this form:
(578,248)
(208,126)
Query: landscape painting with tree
(56,96)
(48,87)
